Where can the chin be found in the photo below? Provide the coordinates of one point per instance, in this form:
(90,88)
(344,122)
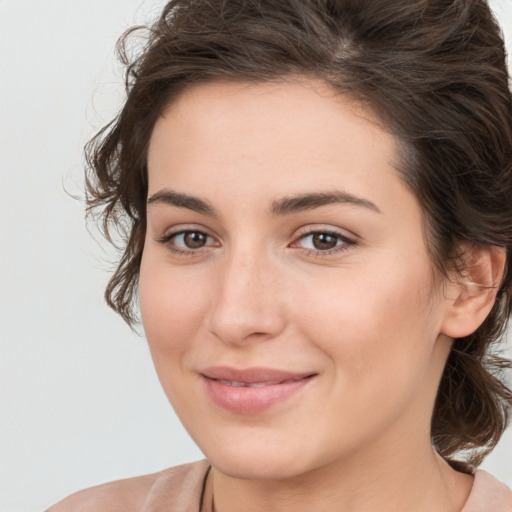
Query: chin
(271,460)
(255,466)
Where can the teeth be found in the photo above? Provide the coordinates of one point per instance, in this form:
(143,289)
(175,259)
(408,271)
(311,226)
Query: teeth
(235,383)
(238,384)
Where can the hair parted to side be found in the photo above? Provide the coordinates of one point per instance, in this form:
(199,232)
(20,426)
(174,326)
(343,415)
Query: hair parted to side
(434,71)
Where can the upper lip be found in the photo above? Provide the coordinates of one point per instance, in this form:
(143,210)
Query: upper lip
(253,375)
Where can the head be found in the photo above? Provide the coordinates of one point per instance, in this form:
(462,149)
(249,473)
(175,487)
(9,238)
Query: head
(425,80)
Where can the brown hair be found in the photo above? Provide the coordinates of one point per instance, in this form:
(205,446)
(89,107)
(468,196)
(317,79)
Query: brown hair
(435,73)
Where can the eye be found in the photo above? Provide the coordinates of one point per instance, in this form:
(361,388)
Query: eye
(323,242)
(186,241)
(191,239)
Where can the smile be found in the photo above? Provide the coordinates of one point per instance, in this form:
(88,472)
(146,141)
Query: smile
(253,390)
(238,384)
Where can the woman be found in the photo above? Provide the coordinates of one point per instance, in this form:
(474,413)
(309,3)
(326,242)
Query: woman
(317,200)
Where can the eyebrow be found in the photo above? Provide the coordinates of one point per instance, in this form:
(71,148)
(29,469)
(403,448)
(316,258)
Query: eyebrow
(180,200)
(284,206)
(306,202)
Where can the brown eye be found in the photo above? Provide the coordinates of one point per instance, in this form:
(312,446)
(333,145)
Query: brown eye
(324,241)
(187,241)
(194,239)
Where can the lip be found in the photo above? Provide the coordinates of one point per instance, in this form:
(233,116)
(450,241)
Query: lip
(252,390)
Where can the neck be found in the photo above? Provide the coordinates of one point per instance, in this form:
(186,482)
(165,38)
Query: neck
(422,482)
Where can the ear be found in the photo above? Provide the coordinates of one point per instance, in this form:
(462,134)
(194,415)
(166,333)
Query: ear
(471,294)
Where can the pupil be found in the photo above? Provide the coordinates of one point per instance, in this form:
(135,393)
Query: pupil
(323,241)
(194,240)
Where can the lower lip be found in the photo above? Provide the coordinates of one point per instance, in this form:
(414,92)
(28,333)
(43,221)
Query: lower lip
(252,400)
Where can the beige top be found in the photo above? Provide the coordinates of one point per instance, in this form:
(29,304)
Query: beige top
(180,489)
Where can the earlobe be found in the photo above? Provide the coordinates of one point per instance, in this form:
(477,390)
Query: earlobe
(471,294)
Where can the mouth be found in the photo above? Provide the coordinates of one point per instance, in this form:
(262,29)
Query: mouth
(239,384)
(253,390)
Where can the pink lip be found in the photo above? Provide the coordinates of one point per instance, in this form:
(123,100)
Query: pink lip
(252,390)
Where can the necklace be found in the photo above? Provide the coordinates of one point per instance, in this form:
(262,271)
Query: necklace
(207,503)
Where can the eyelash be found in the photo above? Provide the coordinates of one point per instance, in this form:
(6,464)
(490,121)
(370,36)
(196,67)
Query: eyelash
(166,240)
(345,242)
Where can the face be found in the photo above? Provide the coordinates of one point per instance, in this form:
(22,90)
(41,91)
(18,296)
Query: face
(287,296)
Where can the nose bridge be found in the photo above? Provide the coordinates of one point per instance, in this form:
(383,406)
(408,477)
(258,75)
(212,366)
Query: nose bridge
(246,300)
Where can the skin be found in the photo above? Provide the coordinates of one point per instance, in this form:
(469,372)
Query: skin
(371,318)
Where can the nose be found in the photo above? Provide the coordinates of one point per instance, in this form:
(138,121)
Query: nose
(246,303)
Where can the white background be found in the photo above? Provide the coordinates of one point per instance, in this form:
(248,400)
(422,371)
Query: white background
(80,403)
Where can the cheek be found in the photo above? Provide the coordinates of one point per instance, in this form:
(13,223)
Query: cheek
(378,328)
(172,306)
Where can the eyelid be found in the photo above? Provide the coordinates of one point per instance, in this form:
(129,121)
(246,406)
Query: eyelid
(323,228)
(181,229)
(348,240)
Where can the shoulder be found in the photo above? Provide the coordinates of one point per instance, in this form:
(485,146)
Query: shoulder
(488,495)
(123,495)
(132,494)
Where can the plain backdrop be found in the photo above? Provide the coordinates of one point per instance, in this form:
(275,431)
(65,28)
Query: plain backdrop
(80,402)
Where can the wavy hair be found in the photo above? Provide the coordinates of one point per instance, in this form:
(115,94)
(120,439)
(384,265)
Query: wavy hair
(435,73)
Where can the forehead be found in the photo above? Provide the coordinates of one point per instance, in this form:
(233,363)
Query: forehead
(284,134)
(288,110)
